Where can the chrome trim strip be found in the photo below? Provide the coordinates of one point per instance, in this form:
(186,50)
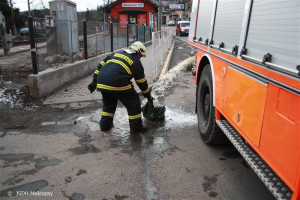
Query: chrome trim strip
(282,68)
(203,43)
(251,76)
(273,66)
(222,49)
(226,50)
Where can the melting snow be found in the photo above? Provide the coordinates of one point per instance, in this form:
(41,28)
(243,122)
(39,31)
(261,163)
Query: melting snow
(13,100)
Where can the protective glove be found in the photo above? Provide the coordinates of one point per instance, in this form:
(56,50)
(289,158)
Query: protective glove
(150,98)
(92,86)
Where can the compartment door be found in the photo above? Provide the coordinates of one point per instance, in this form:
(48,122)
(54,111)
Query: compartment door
(245,99)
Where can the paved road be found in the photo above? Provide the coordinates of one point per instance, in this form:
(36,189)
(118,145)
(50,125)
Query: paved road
(60,151)
(168,162)
(182,38)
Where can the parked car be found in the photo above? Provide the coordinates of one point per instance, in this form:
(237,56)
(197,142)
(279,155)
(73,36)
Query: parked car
(172,23)
(24,31)
(183,28)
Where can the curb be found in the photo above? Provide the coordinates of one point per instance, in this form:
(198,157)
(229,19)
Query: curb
(167,62)
(183,63)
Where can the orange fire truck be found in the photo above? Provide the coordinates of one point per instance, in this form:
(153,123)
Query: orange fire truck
(247,74)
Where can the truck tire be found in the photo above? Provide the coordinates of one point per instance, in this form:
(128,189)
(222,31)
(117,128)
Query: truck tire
(208,129)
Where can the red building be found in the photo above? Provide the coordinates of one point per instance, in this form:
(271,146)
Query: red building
(132,12)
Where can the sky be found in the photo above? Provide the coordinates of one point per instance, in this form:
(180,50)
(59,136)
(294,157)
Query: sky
(82,5)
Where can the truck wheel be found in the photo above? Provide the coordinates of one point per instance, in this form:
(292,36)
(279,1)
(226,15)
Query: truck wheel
(208,129)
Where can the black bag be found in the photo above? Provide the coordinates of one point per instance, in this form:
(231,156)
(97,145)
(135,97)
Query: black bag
(152,113)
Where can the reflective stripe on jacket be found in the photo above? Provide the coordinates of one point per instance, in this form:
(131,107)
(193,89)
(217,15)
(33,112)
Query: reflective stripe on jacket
(116,70)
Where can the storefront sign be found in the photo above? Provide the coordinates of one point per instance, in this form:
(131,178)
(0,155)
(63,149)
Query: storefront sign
(132,5)
(176,6)
(141,19)
(123,18)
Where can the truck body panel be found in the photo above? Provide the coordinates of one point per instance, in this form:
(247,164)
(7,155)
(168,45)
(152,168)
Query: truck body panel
(253,48)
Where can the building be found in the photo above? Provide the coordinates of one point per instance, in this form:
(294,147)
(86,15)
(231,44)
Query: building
(132,12)
(176,10)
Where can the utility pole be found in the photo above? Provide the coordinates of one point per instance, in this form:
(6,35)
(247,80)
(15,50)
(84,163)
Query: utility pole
(159,15)
(29,12)
(14,30)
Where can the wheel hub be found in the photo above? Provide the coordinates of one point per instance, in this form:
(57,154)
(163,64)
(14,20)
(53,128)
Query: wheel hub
(205,105)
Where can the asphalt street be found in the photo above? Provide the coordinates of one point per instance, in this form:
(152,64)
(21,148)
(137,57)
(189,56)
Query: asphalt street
(64,155)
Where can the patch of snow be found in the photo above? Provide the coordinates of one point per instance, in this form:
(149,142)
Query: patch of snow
(13,100)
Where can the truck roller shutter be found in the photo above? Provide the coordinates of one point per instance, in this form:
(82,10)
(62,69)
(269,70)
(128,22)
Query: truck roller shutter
(228,23)
(193,20)
(275,28)
(204,19)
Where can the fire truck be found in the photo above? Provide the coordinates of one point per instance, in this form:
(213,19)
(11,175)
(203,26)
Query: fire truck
(247,74)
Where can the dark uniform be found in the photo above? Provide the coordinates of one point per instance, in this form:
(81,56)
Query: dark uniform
(113,80)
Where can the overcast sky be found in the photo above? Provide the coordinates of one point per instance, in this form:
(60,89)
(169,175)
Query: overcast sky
(82,5)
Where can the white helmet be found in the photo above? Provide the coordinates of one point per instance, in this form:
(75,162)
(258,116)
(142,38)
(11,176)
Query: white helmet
(139,48)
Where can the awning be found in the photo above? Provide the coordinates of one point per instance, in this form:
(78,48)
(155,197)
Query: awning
(133,11)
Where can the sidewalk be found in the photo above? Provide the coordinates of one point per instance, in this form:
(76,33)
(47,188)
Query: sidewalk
(22,48)
(77,91)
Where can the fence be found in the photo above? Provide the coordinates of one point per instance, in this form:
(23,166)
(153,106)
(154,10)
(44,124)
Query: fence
(62,41)
(157,53)
(162,41)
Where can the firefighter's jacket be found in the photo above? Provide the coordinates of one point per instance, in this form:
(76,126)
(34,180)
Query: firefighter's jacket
(115,72)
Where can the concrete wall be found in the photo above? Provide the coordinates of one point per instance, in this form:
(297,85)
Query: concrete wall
(48,81)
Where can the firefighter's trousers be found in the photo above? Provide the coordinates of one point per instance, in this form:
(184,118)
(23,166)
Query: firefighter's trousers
(130,100)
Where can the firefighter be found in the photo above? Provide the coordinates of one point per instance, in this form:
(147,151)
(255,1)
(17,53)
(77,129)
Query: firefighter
(113,80)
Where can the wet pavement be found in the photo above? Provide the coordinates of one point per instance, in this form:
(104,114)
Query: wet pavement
(66,156)
(77,91)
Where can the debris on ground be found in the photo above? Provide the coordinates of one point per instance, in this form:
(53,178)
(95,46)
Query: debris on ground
(15,97)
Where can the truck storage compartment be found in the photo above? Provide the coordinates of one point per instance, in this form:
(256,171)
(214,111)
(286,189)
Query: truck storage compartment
(274,28)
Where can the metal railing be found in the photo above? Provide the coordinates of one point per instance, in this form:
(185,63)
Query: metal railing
(62,41)
(161,43)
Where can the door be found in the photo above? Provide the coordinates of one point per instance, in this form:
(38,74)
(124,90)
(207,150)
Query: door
(132,18)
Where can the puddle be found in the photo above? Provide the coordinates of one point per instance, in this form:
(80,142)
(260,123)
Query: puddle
(16,157)
(210,184)
(117,197)
(84,149)
(29,172)
(13,181)
(18,179)
(28,187)
(45,163)
(77,196)
(149,146)
(2,134)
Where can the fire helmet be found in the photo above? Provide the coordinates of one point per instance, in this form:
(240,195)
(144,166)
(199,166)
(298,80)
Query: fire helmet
(139,48)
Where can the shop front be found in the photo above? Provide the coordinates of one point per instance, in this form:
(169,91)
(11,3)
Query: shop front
(140,12)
